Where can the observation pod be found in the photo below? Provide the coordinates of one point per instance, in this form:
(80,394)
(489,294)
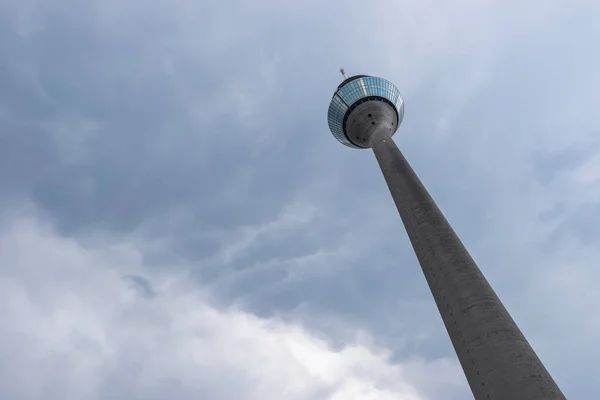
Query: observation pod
(364,105)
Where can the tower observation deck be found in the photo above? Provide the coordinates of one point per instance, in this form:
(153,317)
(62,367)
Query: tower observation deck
(496,358)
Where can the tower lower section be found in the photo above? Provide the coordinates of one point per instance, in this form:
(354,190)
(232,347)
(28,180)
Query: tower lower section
(496,358)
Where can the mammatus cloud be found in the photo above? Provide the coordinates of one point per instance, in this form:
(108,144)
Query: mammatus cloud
(75,327)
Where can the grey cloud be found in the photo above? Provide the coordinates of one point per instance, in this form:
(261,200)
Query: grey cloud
(141,285)
(99,340)
(191,123)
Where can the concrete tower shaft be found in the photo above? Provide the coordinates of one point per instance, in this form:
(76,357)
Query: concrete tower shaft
(497,360)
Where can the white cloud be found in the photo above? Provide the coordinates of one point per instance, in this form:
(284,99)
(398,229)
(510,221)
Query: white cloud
(74,329)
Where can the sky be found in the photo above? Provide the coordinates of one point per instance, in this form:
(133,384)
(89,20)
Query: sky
(176,221)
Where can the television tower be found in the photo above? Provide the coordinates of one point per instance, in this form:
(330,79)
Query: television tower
(497,360)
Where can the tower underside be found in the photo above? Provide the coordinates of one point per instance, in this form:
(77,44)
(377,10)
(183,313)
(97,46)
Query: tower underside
(367,117)
(496,358)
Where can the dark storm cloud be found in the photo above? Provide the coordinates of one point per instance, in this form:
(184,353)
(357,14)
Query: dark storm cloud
(201,129)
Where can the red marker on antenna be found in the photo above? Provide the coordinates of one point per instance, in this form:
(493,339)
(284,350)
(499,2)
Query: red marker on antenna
(343,73)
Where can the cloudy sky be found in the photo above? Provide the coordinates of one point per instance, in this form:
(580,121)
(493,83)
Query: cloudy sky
(176,221)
